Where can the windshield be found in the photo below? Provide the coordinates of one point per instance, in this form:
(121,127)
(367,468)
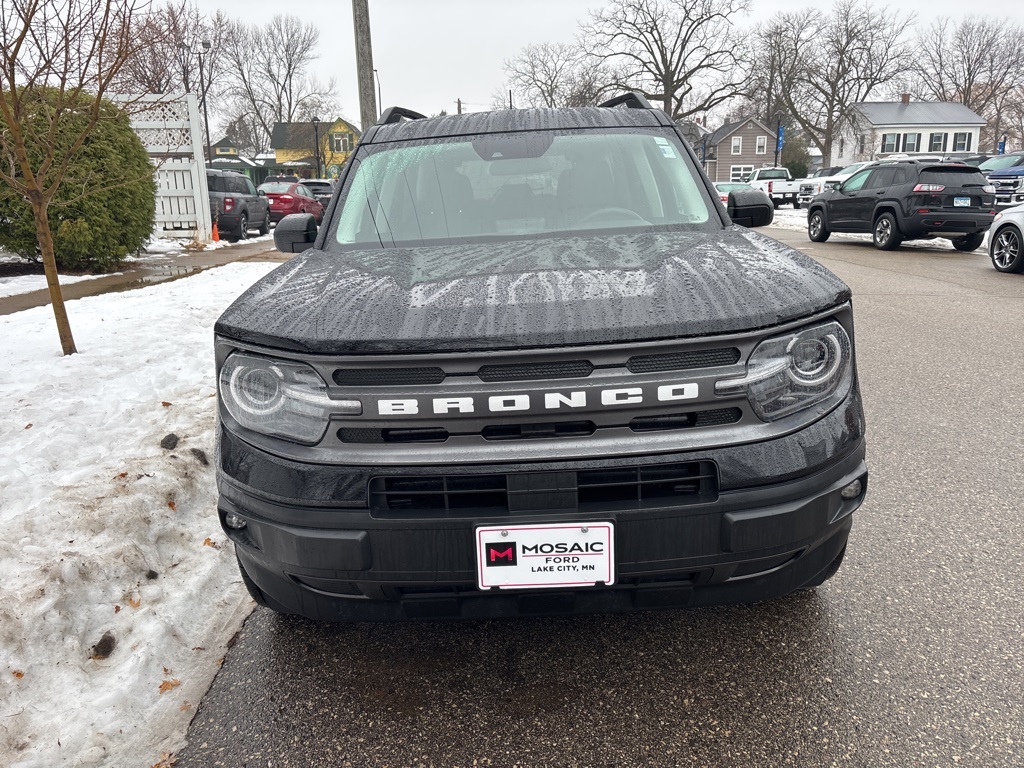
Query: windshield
(999,162)
(508,186)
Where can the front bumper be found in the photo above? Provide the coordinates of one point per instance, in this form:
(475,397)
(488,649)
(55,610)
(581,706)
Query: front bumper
(778,523)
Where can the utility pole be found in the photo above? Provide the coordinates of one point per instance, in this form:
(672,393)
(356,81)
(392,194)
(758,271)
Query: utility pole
(458,103)
(364,63)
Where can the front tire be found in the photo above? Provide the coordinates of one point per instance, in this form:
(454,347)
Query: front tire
(817,229)
(796,205)
(886,233)
(1005,251)
(969,243)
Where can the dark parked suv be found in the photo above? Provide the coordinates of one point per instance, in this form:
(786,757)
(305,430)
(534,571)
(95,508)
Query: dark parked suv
(530,365)
(906,200)
(236,205)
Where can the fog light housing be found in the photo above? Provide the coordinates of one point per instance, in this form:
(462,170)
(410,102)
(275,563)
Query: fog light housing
(853,490)
(233,521)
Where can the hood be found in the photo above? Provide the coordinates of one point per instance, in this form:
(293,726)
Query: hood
(1007,173)
(527,293)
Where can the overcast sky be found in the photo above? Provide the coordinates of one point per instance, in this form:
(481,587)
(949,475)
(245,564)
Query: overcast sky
(428,53)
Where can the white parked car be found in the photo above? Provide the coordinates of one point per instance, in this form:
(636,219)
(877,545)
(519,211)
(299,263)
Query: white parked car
(1005,239)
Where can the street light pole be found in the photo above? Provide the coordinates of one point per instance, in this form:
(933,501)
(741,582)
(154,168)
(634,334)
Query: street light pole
(316,144)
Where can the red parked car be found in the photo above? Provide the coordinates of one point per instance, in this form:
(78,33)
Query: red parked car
(291,197)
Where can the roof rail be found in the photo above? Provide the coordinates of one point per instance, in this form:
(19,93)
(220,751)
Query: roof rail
(395,114)
(632,100)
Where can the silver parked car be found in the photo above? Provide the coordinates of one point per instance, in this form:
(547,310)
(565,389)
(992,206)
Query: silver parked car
(1005,240)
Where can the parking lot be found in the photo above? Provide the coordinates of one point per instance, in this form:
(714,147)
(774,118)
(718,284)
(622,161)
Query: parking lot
(913,655)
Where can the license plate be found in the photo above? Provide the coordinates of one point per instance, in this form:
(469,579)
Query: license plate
(961,202)
(545,555)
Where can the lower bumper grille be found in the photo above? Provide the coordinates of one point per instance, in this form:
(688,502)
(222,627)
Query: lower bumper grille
(485,495)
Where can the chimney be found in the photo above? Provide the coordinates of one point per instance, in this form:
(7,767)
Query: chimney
(905,98)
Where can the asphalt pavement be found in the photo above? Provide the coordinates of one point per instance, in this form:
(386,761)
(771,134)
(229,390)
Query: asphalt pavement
(913,655)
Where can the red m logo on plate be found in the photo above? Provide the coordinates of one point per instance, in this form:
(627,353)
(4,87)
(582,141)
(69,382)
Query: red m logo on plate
(501,553)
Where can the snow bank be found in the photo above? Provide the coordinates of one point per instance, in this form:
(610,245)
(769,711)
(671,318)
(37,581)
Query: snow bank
(119,591)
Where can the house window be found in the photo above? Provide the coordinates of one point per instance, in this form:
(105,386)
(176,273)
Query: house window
(962,142)
(737,145)
(740,172)
(937,142)
(890,142)
(762,145)
(911,142)
(340,142)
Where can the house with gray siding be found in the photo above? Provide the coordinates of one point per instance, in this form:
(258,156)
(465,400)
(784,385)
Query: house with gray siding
(737,148)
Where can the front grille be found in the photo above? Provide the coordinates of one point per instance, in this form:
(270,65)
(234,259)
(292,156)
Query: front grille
(383,377)
(524,372)
(535,431)
(713,418)
(681,361)
(599,490)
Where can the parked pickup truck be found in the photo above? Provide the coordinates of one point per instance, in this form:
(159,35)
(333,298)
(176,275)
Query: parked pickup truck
(530,365)
(1006,174)
(813,186)
(777,184)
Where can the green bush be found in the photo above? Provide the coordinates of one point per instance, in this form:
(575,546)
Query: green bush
(103,210)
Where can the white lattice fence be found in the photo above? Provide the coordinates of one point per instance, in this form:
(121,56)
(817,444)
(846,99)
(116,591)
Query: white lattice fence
(169,127)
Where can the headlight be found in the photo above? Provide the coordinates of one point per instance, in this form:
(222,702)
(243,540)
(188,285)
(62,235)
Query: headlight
(799,370)
(279,397)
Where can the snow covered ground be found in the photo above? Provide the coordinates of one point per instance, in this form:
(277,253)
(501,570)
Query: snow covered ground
(118,591)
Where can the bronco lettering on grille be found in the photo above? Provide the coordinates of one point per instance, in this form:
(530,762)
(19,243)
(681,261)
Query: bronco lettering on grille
(552,401)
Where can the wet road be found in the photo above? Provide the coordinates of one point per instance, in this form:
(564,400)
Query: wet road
(913,655)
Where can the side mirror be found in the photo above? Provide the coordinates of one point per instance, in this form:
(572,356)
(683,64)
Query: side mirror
(295,233)
(750,208)
(261,192)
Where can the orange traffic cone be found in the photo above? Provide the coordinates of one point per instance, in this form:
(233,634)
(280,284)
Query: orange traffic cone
(216,234)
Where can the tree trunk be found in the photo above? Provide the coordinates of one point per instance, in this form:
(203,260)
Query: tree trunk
(45,240)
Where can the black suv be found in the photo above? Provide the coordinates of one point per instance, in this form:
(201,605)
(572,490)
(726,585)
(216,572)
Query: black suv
(906,200)
(530,365)
(236,205)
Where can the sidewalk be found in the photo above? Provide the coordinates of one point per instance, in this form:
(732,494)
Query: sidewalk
(148,273)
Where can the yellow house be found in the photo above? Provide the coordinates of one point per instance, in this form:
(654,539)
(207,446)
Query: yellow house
(295,145)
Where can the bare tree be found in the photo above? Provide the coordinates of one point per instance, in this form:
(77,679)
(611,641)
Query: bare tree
(828,63)
(268,68)
(556,75)
(687,54)
(975,62)
(58,59)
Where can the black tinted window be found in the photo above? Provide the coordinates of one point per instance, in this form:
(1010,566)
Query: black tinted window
(238,185)
(881,177)
(953,177)
(772,175)
(215,183)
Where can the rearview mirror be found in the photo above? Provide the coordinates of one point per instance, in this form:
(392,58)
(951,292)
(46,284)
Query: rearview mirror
(750,208)
(295,233)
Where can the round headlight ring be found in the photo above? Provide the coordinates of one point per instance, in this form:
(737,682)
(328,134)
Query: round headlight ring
(814,360)
(257,390)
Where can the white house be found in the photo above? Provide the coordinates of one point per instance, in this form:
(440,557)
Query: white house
(884,128)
